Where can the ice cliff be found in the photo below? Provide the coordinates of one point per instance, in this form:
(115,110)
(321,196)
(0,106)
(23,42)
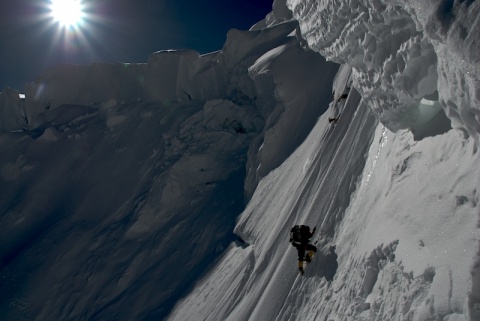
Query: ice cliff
(120,183)
(401,52)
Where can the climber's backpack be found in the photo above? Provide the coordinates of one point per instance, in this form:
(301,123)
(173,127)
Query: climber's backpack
(297,232)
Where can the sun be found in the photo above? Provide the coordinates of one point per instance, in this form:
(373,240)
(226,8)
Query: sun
(68,13)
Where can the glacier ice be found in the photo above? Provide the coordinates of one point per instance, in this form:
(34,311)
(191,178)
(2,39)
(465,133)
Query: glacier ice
(402,51)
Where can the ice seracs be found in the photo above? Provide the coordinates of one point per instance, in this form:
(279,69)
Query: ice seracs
(402,51)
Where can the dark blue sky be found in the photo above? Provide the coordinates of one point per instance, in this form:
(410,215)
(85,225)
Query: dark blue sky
(117,31)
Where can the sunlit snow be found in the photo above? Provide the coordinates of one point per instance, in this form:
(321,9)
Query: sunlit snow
(165,190)
(402,51)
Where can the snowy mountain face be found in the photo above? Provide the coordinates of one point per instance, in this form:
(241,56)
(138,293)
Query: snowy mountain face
(121,182)
(398,212)
(123,185)
(398,230)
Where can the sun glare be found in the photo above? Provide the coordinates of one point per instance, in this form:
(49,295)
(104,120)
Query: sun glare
(68,13)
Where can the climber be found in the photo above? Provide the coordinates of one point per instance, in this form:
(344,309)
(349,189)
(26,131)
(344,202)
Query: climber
(300,238)
(333,120)
(342,97)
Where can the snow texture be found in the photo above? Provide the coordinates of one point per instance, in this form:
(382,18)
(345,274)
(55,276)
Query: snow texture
(123,186)
(121,182)
(398,222)
(402,51)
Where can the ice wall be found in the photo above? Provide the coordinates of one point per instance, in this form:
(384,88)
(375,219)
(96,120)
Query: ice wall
(84,85)
(401,51)
(126,179)
(254,68)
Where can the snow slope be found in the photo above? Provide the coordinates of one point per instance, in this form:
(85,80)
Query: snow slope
(120,184)
(398,212)
(399,231)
